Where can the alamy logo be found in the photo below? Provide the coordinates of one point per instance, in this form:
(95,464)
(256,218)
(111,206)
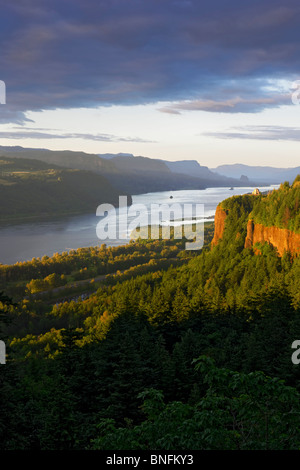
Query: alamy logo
(296,354)
(140,221)
(296,94)
(2,92)
(2,353)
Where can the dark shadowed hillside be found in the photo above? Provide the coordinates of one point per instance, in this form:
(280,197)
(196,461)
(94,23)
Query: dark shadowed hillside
(32,190)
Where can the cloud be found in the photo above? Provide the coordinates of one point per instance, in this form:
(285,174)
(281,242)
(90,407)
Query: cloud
(13,115)
(236,104)
(259,133)
(97,53)
(23,133)
(236,96)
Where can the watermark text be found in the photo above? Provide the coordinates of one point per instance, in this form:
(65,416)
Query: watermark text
(154,222)
(296,94)
(2,353)
(296,354)
(2,92)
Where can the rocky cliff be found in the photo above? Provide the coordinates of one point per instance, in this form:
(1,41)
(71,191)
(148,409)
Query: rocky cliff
(282,239)
(220,217)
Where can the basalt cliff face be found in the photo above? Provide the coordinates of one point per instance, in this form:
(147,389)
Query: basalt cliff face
(220,217)
(282,239)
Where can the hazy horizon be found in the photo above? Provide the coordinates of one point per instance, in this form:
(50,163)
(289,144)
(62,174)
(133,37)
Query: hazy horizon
(212,168)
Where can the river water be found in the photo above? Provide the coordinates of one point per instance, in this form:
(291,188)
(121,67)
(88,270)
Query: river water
(26,241)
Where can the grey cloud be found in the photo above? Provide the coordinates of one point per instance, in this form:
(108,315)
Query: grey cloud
(23,133)
(86,54)
(259,133)
(231,101)
(8,115)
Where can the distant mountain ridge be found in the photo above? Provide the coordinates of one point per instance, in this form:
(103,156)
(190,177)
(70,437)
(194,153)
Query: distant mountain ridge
(108,156)
(193,168)
(132,174)
(64,158)
(267,174)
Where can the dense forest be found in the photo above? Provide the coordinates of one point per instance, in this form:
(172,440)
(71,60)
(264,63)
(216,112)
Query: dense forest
(167,350)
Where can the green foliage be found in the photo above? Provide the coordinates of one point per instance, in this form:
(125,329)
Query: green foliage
(5,306)
(279,208)
(89,262)
(116,370)
(49,282)
(238,412)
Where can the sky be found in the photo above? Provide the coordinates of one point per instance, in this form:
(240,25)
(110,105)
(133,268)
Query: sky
(213,81)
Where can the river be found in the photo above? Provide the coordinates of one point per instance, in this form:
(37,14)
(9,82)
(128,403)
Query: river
(26,241)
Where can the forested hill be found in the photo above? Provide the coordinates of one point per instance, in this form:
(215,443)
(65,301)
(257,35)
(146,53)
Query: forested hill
(174,350)
(131,175)
(34,190)
(273,218)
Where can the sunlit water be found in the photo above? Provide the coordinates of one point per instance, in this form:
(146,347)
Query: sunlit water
(26,241)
